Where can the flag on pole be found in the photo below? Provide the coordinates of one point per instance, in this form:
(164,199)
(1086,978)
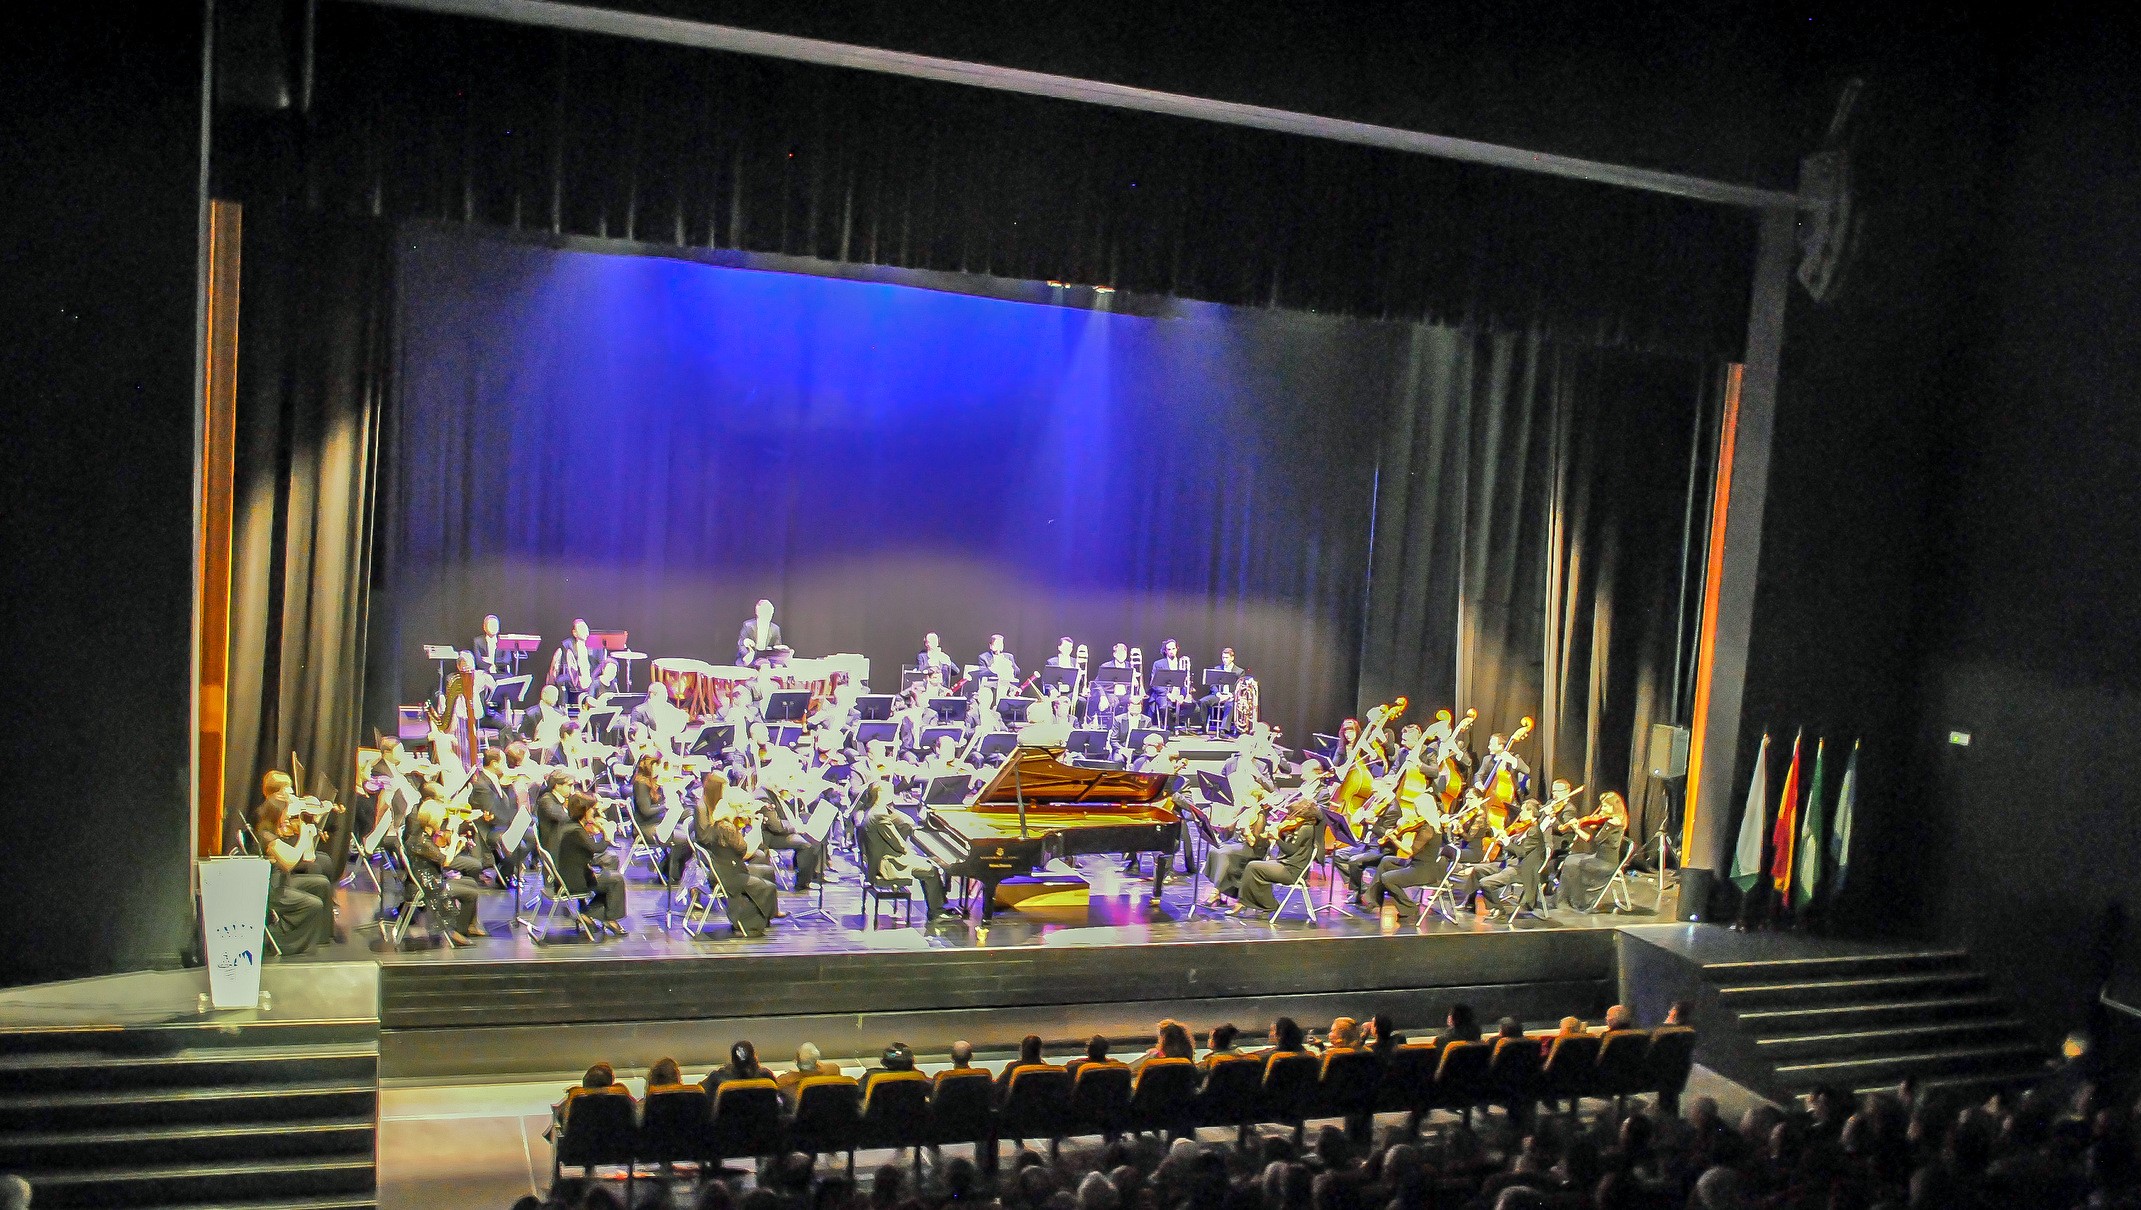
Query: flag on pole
(1747,858)
(1780,867)
(1807,879)
(1840,833)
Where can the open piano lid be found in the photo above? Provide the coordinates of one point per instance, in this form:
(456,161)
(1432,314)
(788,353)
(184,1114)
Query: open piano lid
(1042,780)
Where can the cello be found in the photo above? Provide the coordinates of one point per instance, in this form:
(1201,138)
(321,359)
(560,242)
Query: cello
(1449,771)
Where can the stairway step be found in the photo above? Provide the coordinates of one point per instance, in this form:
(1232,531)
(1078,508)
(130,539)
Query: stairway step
(189,1143)
(1861,1069)
(1931,984)
(1974,1083)
(346,1201)
(175,1036)
(63,1109)
(1888,1038)
(205,1067)
(1771,1021)
(164,1184)
(1832,966)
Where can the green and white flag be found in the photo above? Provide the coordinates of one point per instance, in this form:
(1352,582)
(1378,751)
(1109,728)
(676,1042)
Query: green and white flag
(1807,878)
(1747,858)
(1840,835)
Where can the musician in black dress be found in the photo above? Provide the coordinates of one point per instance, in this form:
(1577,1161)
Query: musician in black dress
(303,902)
(752,901)
(585,864)
(650,806)
(759,642)
(432,850)
(1296,841)
(1586,874)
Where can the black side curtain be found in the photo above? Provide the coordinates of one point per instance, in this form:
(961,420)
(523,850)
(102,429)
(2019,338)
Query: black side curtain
(1532,517)
(315,347)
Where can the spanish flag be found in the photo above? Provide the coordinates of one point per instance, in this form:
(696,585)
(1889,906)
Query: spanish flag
(1787,830)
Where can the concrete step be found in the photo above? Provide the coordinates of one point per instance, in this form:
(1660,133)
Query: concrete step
(84,1149)
(1886,1068)
(1766,1022)
(88,1109)
(1928,985)
(349,1201)
(1841,1043)
(207,1067)
(174,1037)
(1975,1084)
(1833,966)
(300,1178)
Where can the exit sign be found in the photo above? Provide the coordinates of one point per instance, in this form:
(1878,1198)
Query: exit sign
(1960,739)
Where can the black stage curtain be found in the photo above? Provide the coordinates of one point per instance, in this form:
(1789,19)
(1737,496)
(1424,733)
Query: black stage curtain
(1532,507)
(418,116)
(314,357)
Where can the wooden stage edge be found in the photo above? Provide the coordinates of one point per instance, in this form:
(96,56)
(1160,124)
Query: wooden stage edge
(497,1018)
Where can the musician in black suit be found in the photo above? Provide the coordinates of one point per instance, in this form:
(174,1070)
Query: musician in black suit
(1165,705)
(576,667)
(887,837)
(552,810)
(996,667)
(489,658)
(454,899)
(1126,724)
(934,657)
(760,638)
(495,808)
(1218,695)
(1107,695)
(1523,857)
(584,866)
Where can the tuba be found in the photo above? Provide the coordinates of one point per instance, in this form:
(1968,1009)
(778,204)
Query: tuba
(1245,702)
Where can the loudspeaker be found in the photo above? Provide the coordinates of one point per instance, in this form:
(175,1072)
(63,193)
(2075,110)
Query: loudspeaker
(1696,889)
(1668,750)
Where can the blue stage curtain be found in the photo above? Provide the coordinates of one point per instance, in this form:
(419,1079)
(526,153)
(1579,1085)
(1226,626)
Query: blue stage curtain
(653,443)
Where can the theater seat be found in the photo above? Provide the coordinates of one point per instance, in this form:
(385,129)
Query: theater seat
(1233,1085)
(1037,1106)
(962,1109)
(676,1126)
(1100,1098)
(597,1131)
(1570,1070)
(1621,1073)
(1164,1097)
(1461,1077)
(895,1112)
(1408,1080)
(1288,1094)
(826,1115)
(1347,1084)
(1513,1074)
(1666,1065)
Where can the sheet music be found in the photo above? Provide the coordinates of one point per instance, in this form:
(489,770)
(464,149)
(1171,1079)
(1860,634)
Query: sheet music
(518,831)
(665,831)
(379,831)
(820,824)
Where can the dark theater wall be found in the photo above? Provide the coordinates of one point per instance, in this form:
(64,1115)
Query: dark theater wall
(102,130)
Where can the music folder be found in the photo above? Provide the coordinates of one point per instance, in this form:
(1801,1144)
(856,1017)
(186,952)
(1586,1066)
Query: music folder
(1221,678)
(948,791)
(820,823)
(1169,678)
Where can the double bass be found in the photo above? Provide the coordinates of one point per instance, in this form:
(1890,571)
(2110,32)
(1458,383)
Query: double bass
(1355,784)
(1449,771)
(1499,785)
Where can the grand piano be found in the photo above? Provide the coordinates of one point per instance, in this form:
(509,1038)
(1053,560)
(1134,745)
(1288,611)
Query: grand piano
(1067,811)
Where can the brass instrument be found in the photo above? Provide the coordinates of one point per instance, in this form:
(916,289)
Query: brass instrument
(1137,672)
(1245,703)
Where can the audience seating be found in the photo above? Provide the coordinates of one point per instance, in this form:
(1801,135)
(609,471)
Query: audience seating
(908,1110)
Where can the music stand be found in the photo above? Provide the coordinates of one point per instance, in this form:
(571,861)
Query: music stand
(930,736)
(910,677)
(871,707)
(1164,679)
(519,646)
(714,740)
(1013,710)
(1214,787)
(875,731)
(447,655)
(1088,741)
(996,745)
(949,790)
(1054,679)
(607,641)
(1137,738)
(949,709)
(784,735)
(1221,678)
(412,722)
(787,705)
(1105,675)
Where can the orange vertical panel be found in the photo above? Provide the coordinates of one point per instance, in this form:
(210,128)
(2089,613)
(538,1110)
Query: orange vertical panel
(217,477)
(1713,576)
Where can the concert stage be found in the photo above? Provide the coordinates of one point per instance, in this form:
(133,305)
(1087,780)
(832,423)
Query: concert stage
(507,1007)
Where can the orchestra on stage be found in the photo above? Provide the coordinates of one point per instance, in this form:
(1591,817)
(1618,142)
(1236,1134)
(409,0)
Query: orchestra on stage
(737,789)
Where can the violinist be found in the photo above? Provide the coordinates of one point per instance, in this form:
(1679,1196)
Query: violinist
(1585,874)
(553,812)
(1557,821)
(1415,856)
(1523,852)
(437,849)
(303,901)
(1296,842)
(651,804)
(586,865)
(496,805)
(393,780)
(723,829)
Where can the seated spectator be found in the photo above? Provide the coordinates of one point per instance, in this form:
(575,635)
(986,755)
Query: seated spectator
(1571,1027)
(742,1065)
(664,1076)
(1463,1026)
(1029,1054)
(1620,1016)
(600,1080)
(1222,1042)
(1171,1040)
(808,1063)
(1344,1034)
(1286,1037)
(962,1055)
(897,1057)
(1096,1051)
(1510,1028)
(1383,1035)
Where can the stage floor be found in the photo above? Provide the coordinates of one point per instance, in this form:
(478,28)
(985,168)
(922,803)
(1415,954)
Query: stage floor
(1120,912)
